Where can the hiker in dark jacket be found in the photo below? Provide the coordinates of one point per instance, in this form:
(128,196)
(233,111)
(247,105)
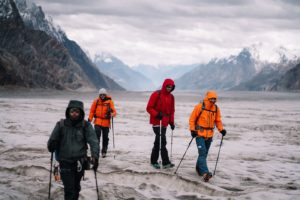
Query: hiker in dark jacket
(69,139)
(161,107)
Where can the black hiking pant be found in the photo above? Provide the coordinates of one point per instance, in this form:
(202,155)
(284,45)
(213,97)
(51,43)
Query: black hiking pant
(104,131)
(71,177)
(156,147)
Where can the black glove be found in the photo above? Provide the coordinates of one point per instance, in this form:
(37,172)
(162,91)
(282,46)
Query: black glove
(52,146)
(172,126)
(159,116)
(223,132)
(194,134)
(89,120)
(108,115)
(95,164)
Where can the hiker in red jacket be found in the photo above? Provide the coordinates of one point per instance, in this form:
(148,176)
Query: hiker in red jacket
(161,107)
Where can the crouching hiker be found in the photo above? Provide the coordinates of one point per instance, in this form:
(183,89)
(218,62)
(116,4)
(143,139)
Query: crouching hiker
(203,119)
(69,139)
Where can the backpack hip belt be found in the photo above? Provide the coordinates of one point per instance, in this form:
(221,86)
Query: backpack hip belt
(200,128)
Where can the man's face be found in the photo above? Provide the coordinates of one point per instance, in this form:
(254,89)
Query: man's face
(74,113)
(169,88)
(102,96)
(212,100)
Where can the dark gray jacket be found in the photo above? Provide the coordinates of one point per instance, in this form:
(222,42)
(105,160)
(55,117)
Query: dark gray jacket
(70,140)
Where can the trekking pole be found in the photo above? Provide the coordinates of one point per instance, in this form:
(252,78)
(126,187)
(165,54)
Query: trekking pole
(112,126)
(160,139)
(51,161)
(184,155)
(218,155)
(95,172)
(171,143)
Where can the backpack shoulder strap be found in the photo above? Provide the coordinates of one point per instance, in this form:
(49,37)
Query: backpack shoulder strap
(202,108)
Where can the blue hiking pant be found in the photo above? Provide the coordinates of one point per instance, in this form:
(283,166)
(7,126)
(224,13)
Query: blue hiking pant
(203,148)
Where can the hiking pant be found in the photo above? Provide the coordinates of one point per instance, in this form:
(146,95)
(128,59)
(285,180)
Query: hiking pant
(71,179)
(203,148)
(156,147)
(105,139)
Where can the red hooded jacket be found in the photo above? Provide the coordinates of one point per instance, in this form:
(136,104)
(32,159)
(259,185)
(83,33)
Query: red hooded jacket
(162,101)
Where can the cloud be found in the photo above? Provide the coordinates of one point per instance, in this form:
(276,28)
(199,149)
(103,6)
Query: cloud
(175,31)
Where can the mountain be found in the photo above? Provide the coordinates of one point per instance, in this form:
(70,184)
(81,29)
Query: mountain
(290,80)
(158,74)
(219,74)
(269,76)
(34,58)
(122,74)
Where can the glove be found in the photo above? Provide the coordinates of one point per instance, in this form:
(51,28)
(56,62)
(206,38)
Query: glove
(108,115)
(89,120)
(51,149)
(95,164)
(159,116)
(194,134)
(172,126)
(223,132)
(52,146)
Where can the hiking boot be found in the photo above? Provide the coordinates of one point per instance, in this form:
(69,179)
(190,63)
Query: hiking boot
(170,165)
(156,165)
(103,155)
(207,176)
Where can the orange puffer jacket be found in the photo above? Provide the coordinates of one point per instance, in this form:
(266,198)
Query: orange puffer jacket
(205,117)
(100,110)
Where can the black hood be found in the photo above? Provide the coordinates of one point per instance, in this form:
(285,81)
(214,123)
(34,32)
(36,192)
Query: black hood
(75,104)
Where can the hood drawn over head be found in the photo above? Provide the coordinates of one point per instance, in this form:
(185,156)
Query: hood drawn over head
(210,94)
(75,104)
(167,82)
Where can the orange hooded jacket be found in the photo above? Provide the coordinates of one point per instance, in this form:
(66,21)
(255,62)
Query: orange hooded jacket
(204,120)
(100,109)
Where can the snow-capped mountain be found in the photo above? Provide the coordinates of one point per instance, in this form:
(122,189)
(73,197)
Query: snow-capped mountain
(121,73)
(34,58)
(219,73)
(245,71)
(34,18)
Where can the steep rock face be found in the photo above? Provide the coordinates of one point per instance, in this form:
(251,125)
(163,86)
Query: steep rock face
(33,58)
(9,15)
(41,61)
(219,74)
(290,80)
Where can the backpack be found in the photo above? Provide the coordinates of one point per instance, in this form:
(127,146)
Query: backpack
(203,108)
(109,110)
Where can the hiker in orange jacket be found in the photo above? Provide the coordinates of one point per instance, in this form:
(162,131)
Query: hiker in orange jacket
(161,107)
(205,116)
(102,110)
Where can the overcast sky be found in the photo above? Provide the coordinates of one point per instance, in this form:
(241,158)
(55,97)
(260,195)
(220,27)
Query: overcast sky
(177,31)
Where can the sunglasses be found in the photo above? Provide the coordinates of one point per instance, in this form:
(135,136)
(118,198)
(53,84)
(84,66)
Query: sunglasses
(72,110)
(169,86)
(212,99)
